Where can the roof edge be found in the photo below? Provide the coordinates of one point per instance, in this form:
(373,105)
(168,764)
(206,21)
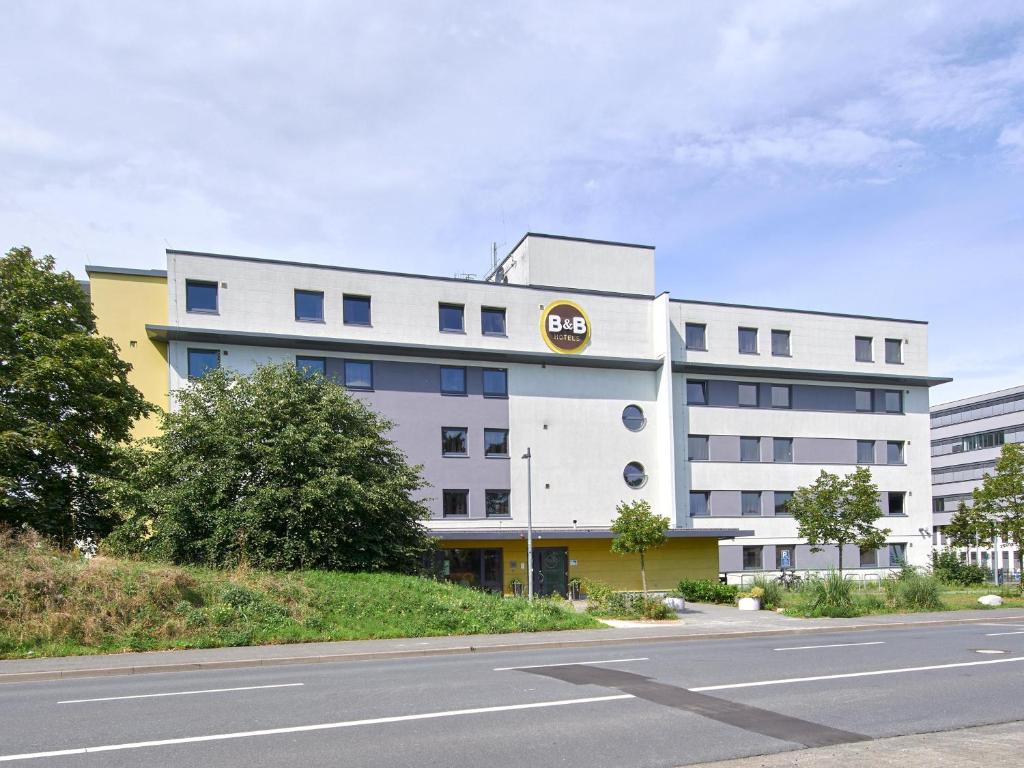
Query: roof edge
(800,311)
(101,270)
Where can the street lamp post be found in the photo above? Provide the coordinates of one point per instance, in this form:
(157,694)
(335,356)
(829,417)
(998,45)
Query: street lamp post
(529,523)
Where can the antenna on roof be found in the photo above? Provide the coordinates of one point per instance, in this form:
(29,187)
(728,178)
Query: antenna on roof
(494,255)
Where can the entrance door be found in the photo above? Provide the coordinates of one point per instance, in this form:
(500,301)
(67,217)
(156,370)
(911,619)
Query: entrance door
(550,571)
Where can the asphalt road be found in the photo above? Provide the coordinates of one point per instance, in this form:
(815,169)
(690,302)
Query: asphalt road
(664,704)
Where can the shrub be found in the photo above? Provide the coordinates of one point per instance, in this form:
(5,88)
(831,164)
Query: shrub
(913,592)
(771,592)
(755,592)
(604,601)
(949,569)
(831,595)
(706,591)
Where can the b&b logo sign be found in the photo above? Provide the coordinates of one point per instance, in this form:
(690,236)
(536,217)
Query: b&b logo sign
(565,327)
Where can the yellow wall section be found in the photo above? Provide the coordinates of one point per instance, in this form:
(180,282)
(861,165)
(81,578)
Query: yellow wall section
(123,304)
(695,558)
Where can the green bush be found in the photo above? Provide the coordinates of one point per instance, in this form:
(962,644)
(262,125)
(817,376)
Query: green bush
(910,591)
(771,592)
(948,568)
(831,595)
(706,591)
(604,601)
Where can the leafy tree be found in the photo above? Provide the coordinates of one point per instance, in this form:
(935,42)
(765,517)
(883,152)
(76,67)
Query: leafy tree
(638,530)
(278,469)
(65,402)
(839,510)
(998,506)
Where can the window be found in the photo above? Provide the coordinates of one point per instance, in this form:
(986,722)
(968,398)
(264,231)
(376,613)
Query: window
(696,392)
(700,503)
(635,475)
(897,503)
(495,382)
(748,395)
(697,337)
(868,557)
(455,503)
(479,568)
(358,374)
(453,380)
(894,452)
(750,503)
(893,401)
(982,440)
(781,500)
(748,341)
(865,400)
(862,349)
(355,310)
(309,306)
(938,505)
(202,360)
(492,321)
(782,450)
(893,351)
(495,442)
(780,343)
(454,441)
(750,449)
(865,451)
(311,365)
(200,296)
(785,557)
(496,504)
(781,396)
(897,554)
(697,447)
(752,558)
(633,417)
(451,318)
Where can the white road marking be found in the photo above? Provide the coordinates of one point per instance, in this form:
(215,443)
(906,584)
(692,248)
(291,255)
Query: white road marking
(873,673)
(1001,624)
(181,693)
(988,650)
(834,645)
(570,664)
(307,728)
(999,634)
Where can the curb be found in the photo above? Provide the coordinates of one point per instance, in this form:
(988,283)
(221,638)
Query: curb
(275,661)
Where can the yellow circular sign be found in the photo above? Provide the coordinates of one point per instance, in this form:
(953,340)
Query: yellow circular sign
(565,327)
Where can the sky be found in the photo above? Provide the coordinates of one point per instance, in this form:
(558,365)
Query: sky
(863,157)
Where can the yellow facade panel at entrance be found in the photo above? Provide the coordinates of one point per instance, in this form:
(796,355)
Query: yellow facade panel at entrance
(123,304)
(679,558)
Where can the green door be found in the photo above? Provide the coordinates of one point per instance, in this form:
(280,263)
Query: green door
(550,571)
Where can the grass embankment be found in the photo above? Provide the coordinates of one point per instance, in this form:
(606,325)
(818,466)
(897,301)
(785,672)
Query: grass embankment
(55,604)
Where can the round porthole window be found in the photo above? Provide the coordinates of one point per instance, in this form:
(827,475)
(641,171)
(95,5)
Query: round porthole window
(633,417)
(635,475)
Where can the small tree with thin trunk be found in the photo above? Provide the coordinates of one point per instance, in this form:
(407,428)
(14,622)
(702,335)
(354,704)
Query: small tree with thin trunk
(998,508)
(839,510)
(637,529)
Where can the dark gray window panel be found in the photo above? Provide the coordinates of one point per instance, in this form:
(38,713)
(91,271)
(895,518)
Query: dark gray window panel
(700,503)
(355,310)
(862,349)
(495,442)
(865,451)
(894,452)
(803,397)
(201,296)
(893,351)
(309,306)
(782,450)
(781,396)
(750,449)
(893,401)
(725,504)
(696,337)
(311,365)
(779,501)
(868,558)
(358,374)
(202,360)
(750,503)
(698,448)
(451,318)
(495,382)
(747,341)
(983,410)
(731,557)
(455,503)
(747,395)
(780,343)
(454,441)
(724,447)
(497,503)
(492,321)
(864,400)
(453,380)
(962,472)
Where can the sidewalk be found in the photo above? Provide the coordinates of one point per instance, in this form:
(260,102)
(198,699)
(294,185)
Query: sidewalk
(986,745)
(699,622)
